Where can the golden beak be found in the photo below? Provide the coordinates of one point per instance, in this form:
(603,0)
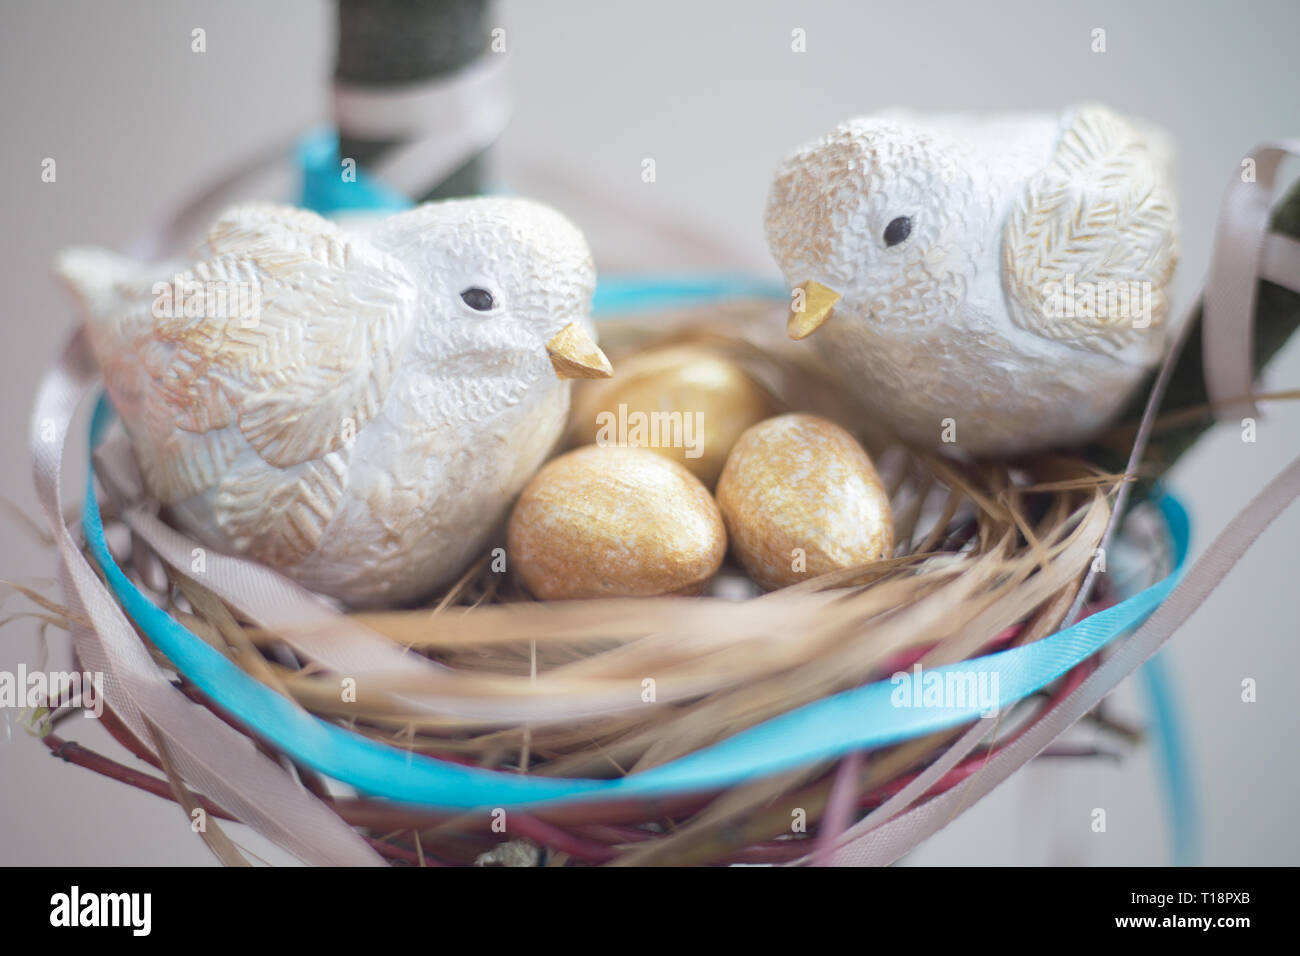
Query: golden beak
(575,355)
(809,310)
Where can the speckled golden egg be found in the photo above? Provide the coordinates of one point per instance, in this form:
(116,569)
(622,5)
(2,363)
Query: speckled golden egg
(614,522)
(800,498)
(685,402)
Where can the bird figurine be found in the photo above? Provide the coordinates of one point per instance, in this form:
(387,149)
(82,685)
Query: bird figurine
(985,284)
(356,408)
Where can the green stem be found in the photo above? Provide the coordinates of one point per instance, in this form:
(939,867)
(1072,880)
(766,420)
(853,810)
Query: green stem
(389,42)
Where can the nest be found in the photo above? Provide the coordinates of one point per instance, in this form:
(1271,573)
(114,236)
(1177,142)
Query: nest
(988,556)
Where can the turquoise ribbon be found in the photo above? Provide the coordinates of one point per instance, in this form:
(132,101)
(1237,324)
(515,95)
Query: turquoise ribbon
(325,191)
(858,719)
(1172,761)
(622,295)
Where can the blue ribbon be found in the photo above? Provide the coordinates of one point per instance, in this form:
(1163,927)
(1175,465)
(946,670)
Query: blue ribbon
(325,191)
(621,295)
(866,717)
(1172,761)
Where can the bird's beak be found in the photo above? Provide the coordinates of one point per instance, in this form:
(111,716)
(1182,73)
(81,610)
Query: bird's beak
(817,302)
(575,355)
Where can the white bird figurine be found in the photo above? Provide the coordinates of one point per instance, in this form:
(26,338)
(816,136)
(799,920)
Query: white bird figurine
(356,409)
(991,284)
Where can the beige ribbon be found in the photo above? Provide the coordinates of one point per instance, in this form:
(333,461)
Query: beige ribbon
(1244,252)
(875,842)
(217,760)
(443,121)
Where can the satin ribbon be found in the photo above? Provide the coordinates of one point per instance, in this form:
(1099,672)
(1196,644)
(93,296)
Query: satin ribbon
(323,189)
(1172,761)
(213,757)
(1244,252)
(875,842)
(443,122)
(627,295)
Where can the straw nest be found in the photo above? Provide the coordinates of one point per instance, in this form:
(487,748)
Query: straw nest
(987,556)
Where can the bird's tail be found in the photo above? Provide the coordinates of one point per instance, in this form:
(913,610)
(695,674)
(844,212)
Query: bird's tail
(95,277)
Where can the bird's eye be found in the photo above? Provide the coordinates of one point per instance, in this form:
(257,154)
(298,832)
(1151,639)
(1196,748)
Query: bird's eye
(898,230)
(480,300)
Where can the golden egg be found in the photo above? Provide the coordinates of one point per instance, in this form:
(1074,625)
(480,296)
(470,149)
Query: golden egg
(614,522)
(800,497)
(685,402)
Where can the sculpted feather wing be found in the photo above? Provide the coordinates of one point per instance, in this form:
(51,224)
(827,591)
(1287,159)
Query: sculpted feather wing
(283,337)
(1090,246)
(286,333)
(314,366)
